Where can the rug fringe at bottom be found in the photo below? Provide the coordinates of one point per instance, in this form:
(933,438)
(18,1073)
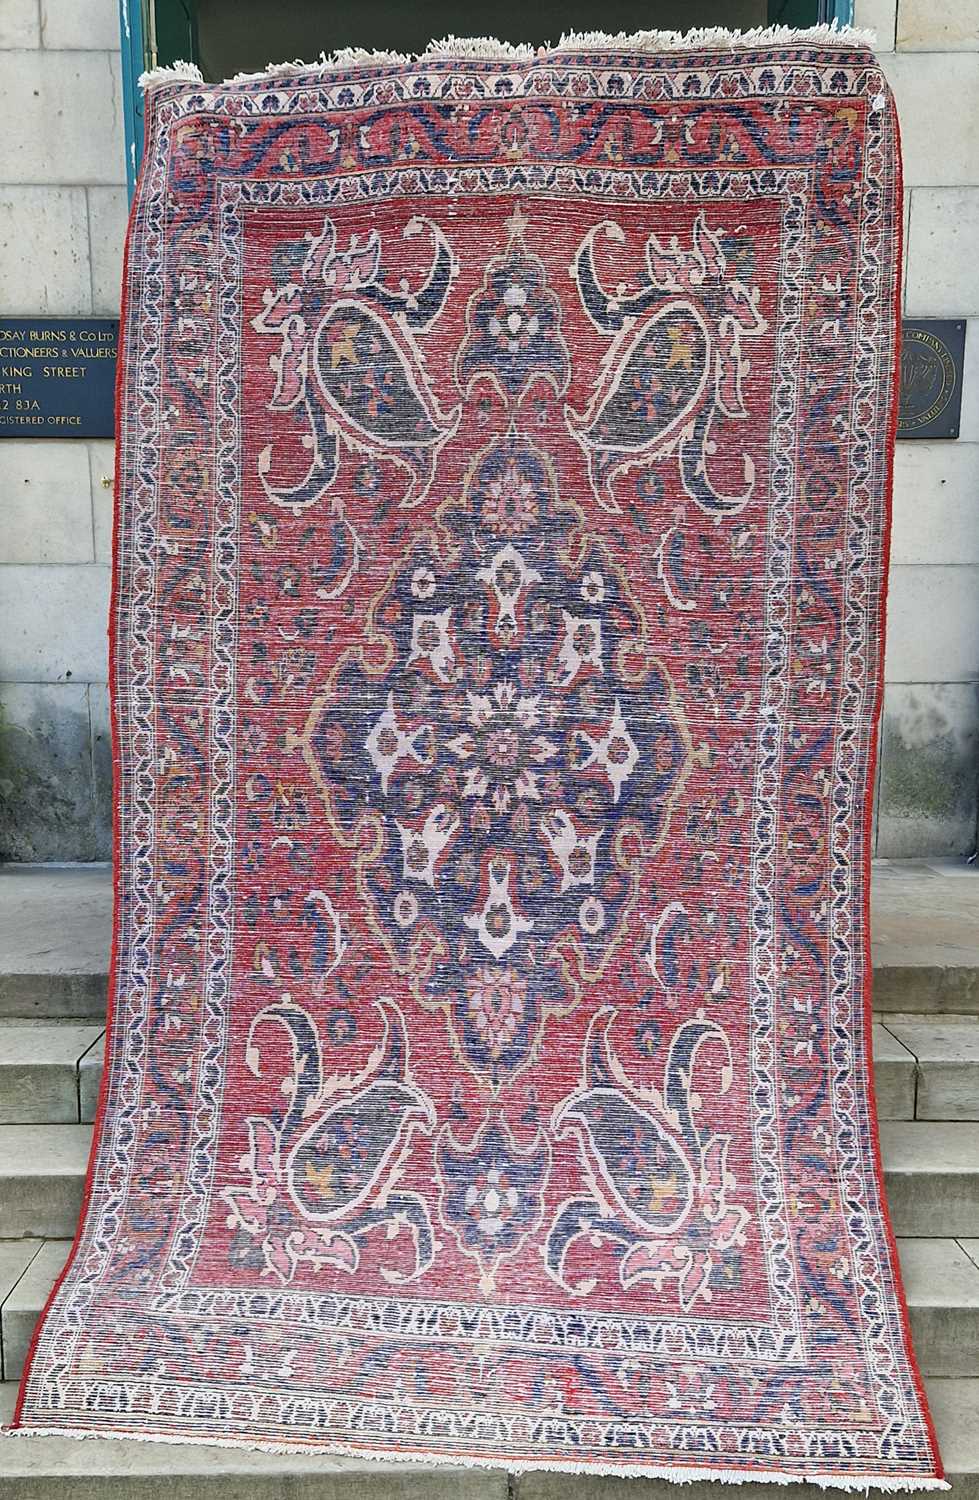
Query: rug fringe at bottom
(676,1474)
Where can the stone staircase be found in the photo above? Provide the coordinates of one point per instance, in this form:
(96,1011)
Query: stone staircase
(54,942)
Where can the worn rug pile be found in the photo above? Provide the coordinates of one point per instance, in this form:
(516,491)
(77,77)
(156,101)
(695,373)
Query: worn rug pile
(503,476)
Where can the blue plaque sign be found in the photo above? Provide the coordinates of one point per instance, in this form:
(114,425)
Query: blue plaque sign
(58,376)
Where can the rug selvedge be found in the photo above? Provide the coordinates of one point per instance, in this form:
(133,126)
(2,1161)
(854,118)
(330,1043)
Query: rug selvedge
(497,649)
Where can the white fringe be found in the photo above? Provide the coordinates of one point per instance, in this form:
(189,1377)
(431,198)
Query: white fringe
(719,38)
(181,72)
(704,38)
(679,1474)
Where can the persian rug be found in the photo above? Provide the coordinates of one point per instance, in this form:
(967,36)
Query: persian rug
(504,464)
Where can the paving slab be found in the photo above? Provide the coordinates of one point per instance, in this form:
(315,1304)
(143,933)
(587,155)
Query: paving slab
(55,934)
(946,1050)
(27,1300)
(932,1176)
(942,1286)
(925,936)
(894,1076)
(39,1070)
(42,1175)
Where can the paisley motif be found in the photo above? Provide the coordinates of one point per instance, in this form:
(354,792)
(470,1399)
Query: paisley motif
(313,1194)
(366,379)
(674,364)
(661,1186)
(348,355)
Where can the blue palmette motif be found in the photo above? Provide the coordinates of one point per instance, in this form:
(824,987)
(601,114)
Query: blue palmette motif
(514,325)
(491,1192)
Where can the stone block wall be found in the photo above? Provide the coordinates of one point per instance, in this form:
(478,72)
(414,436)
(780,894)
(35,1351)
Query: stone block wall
(62,220)
(930,756)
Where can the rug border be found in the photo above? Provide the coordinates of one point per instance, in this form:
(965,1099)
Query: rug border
(873,760)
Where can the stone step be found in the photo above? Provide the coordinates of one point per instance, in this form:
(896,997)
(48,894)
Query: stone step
(16,1257)
(39,1468)
(931,1169)
(931,1172)
(28,1271)
(945,1053)
(49,1071)
(941,1280)
(924,922)
(923,1069)
(42,1174)
(895,1078)
(955,1411)
(932,1175)
(55,934)
(55,929)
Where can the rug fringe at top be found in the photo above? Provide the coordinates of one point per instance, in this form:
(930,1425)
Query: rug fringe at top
(709,38)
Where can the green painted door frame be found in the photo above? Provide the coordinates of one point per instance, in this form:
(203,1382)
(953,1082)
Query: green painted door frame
(153,33)
(133,63)
(157,32)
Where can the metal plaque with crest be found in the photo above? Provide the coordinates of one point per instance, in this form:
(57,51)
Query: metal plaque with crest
(932,354)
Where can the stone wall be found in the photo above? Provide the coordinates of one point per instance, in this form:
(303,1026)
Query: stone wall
(930,760)
(62,220)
